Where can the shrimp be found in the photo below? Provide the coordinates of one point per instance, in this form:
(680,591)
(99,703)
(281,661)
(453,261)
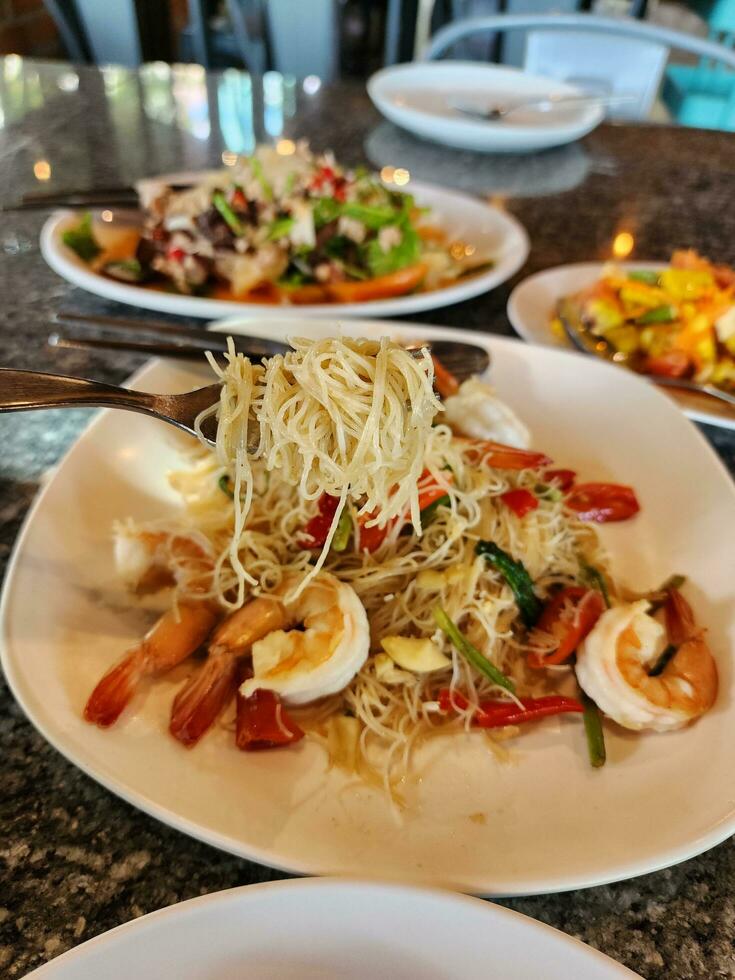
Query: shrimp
(148,562)
(205,694)
(302,649)
(615,660)
(476,411)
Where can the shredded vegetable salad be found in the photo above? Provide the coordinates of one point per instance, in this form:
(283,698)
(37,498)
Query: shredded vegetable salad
(297,229)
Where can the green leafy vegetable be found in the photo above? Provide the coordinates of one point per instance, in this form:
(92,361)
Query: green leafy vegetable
(594,732)
(280,228)
(470,652)
(81,240)
(290,181)
(231,219)
(372,216)
(407,252)
(225,485)
(326,209)
(126,270)
(515,574)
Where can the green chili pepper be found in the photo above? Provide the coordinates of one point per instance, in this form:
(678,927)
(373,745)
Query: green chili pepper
(470,652)
(659,314)
(515,574)
(596,579)
(80,239)
(594,732)
(231,219)
(648,276)
(342,534)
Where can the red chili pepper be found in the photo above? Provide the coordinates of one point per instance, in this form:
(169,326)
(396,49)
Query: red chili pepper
(177,254)
(321,177)
(603,502)
(497,714)
(317,529)
(263,722)
(444,381)
(564,479)
(520,501)
(340,189)
(502,457)
(568,616)
(372,537)
(671,364)
(238,199)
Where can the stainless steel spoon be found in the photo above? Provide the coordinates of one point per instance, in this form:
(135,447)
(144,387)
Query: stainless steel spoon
(543,104)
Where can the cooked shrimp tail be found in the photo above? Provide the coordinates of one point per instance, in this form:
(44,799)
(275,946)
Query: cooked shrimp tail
(208,690)
(176,635)
(200,701)
(108,700)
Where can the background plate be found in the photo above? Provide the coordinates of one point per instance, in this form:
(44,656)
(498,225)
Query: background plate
(494,233)
(533,300)
(336,929)
(419,98)
(471,822)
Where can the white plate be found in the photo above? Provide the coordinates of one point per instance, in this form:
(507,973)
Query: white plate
(546,822)
(421,97)
(532,302)
(320,929)
(494,233)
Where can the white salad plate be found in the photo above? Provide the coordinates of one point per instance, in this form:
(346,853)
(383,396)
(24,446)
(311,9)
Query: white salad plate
(329,929)
(531,306)
(496,236)
(423,97)
(543,820)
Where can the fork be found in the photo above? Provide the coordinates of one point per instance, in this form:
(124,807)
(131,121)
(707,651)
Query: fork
(21,391)
(599,347)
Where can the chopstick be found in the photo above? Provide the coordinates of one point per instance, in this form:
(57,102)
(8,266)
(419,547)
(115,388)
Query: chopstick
(93,197)
(167,339)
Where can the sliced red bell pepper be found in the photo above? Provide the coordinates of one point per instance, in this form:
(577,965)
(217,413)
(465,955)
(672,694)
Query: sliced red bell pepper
(603,502)
(497,714)
(502,457)
(568,616)
(430,491)
(564,479)
(263,722)
(444,381)
(671,364)
(520,501)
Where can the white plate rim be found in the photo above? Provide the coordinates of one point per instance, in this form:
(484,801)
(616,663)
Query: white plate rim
(514,248)
(534,336)
(244,895)
(475,134)
(269,856)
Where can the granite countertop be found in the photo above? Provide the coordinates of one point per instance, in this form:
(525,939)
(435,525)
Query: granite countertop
(75,860)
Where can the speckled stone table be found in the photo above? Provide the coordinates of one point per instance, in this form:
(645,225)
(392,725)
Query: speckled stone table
(75,860)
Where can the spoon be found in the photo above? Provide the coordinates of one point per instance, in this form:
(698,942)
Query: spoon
(585,342)
(546,103)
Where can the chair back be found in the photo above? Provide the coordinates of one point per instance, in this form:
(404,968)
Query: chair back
(592,62)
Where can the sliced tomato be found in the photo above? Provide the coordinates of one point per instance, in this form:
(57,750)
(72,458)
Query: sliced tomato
(603,502)
(444,381)
(381,287)
(314,534)
(564,479)
(502,457)
(672,364)
(520,501)
(568,616)
(263,722)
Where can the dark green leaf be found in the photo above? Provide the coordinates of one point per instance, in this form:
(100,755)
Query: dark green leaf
(382,263)
(515,574)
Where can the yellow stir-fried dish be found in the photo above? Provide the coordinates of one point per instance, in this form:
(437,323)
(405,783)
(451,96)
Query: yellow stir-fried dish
(373,554)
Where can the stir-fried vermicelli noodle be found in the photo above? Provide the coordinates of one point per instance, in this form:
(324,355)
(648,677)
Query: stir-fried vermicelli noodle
(349,418)
(365,573)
